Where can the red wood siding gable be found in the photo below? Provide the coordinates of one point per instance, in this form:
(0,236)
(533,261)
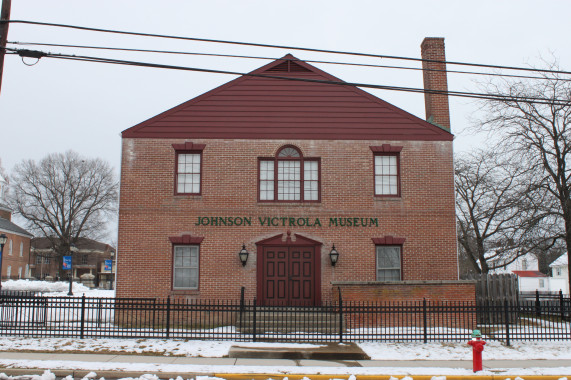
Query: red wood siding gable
(260,107)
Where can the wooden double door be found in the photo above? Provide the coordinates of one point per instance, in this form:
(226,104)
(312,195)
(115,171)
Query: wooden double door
(289,276)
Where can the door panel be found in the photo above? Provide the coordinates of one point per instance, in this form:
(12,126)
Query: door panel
(289,276)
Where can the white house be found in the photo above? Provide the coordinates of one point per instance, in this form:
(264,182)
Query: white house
(560,273)
(526,268)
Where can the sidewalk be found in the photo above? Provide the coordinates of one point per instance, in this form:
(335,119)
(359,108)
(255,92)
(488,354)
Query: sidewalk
(112,366)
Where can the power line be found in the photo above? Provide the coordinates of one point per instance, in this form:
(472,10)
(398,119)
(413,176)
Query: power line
(273,58)
(37,54)
(277,46)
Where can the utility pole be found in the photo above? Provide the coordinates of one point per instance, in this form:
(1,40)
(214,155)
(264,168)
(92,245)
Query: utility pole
(4,15)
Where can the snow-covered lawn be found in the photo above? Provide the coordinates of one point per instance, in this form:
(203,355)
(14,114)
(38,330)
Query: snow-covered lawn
(55,289)
(217,349)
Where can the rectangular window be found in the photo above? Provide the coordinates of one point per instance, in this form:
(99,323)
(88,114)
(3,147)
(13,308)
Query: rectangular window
(388,263)
(387,175)
(541,283)
(188,173)
(9,271)
(266,180)
(84,259)
(20,272)
(311,180)
(38,259)
(290,180)
(21,249)
(185,267)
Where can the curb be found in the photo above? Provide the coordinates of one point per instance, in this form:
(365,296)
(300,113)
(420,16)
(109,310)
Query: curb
(274,376)
(79,374)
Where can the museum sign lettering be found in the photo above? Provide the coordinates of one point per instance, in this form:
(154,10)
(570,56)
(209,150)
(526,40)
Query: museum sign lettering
(269,221)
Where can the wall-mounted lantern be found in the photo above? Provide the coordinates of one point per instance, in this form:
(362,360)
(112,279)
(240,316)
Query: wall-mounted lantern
(334,256)
(243,255)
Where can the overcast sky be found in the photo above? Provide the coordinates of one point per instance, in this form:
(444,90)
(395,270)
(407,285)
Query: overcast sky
(57,105)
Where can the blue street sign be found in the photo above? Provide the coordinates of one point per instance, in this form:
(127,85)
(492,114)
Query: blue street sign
(108,265)
(67,262)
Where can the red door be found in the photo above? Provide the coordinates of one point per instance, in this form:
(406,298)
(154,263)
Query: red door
(289,276)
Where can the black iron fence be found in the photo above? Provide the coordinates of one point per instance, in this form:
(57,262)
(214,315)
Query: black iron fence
(424,321)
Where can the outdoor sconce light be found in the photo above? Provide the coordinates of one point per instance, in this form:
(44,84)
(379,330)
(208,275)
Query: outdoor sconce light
(3,240)
(334,256)
(243,255)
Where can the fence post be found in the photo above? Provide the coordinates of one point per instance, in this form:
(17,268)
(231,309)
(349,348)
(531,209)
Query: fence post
(340,317)
(537,304)
(507,321)
(82,330)
(254,321)
(168,317)
(241,308)
(561,307)
(424,320)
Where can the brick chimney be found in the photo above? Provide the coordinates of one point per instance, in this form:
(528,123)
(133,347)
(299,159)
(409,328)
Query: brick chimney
(436,105)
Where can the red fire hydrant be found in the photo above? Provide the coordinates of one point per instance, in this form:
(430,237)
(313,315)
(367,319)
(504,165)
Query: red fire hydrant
(477,347)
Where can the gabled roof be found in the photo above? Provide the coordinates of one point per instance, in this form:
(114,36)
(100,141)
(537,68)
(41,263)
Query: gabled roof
(8,226)
(83,244)
(529,273)
(561,261)
(259,105)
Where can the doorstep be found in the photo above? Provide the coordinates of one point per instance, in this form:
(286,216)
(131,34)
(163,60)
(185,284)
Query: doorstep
(333,351)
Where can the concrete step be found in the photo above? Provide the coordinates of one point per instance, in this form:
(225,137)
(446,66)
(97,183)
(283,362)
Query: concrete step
(332,351)
(288,322)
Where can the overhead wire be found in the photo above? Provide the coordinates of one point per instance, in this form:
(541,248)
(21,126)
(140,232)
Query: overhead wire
(502,97)
(273,58)
(298,48)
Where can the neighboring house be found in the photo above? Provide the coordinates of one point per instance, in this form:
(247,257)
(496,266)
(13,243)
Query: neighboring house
(88,259)
(16,253)
(530,278)
(263,183)
(560,273)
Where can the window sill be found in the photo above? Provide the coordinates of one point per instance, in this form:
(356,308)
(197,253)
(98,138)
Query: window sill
(184,292)
(387,199)
(288,204)
(187,196)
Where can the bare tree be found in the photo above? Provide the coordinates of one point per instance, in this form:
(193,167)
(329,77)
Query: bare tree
(64,197)
(497,218)
(534,122)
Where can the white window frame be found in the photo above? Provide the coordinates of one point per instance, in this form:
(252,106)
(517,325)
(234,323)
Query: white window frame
(188,165)
(179,266)
(380,267)
(387,177)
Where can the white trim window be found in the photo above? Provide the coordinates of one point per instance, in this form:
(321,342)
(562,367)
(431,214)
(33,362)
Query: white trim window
(388,263)
(185,268)
(21,249)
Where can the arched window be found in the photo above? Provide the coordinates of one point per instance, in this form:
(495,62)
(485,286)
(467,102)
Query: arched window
(289,177)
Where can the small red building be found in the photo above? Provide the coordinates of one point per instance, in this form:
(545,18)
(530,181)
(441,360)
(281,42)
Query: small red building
(16,252)
(287,169)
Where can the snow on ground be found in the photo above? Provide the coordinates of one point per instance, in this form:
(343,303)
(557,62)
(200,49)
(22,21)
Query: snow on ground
(216,349)
(538,350)
(55,289)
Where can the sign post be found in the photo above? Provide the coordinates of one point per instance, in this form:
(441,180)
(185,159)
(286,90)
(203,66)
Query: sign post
(67,265)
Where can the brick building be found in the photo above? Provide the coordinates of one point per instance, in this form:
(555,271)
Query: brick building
(16,252)
(88,258)
(291,172)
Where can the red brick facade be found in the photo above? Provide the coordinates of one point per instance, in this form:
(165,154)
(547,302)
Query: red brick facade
(228,212)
